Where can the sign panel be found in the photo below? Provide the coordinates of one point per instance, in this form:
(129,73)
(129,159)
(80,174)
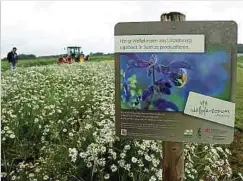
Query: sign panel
(159,64)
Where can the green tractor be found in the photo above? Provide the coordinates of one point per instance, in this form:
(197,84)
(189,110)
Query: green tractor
(74,54)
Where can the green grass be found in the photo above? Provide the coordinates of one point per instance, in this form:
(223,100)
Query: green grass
(236,160)
(29,63)
(101,58)
(239,96)
(240,59)
(49,61)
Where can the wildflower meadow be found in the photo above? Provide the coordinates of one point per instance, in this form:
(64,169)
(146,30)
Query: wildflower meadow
(58,123)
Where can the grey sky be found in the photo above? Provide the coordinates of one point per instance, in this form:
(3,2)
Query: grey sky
(46,27)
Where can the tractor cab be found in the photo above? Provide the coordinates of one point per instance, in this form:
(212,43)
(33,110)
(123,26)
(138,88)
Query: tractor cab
(75,53)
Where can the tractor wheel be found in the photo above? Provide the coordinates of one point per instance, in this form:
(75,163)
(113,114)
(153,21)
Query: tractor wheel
(61,60)
(69,60)
(81,59)
(86,57)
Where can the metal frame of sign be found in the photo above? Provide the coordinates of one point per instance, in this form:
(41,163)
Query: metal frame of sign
(176,126)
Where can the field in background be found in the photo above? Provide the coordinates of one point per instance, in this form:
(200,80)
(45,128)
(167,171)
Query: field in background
(49,61)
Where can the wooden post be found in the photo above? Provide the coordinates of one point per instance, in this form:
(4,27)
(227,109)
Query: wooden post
(173,152)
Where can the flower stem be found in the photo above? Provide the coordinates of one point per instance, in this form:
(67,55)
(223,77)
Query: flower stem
(153,76)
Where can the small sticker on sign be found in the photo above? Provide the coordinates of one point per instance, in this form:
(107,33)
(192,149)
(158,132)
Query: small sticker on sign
(123,132)
(209,108)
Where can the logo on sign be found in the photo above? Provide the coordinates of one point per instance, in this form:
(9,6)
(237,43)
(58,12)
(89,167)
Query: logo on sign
(199,132)
(203,110)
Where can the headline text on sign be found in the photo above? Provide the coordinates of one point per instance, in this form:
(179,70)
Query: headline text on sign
(160,43)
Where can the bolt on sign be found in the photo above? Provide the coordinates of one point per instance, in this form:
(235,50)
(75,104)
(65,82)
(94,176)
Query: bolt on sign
(175,81)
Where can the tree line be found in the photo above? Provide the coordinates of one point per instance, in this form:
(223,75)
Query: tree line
(240,48)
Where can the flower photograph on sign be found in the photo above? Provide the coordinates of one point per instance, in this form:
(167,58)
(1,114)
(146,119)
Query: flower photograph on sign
(162,81)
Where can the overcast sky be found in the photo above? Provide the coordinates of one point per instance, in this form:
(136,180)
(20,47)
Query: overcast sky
(45,28)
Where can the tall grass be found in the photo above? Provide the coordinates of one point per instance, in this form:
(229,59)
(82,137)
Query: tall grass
(239,96)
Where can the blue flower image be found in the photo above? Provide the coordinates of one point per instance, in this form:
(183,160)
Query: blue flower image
(162,81)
